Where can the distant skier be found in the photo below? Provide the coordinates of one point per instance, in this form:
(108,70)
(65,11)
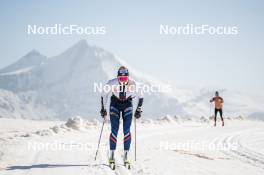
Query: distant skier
(122,92)
(218,101)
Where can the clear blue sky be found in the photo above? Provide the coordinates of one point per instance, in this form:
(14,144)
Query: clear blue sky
(234,62)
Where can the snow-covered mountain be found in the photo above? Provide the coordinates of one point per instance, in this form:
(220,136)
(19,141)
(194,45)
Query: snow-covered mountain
(63,86)
(33,58)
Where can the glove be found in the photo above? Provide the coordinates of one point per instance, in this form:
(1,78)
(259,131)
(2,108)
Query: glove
(138,112)
(103,112)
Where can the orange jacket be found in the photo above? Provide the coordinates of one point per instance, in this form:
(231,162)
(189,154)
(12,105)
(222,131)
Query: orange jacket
(218,101)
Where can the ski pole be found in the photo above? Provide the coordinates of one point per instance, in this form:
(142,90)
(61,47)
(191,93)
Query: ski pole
(210,110)
(101,130)
(99,139)
(135,130)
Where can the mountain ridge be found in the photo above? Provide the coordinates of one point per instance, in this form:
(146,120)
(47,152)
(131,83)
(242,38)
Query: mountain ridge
(62,86)
(31,59)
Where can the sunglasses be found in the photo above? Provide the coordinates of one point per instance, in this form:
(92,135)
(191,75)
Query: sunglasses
(123,79)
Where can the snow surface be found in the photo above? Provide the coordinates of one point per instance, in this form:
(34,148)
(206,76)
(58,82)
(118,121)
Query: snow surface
(153,156)
(24,70)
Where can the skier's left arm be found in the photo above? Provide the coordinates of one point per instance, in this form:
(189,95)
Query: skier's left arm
(139,95)
(222,100)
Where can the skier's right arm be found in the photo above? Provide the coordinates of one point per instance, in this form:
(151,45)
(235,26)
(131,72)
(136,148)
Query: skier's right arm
(212,100)
(103,110)
(104,98)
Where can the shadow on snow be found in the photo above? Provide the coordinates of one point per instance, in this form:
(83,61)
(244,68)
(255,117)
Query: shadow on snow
(52,166)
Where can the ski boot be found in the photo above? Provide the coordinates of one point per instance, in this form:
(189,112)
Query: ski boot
(112,164)
(112,160)
(223,124)
(214,124)
(126,161)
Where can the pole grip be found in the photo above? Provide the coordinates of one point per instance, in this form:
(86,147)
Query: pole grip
(102,102)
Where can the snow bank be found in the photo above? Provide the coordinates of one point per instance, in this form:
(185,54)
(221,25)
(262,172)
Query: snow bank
(75,123)
(78,124)
(44,132)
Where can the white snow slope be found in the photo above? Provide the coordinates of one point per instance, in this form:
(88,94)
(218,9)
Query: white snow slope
(160,148)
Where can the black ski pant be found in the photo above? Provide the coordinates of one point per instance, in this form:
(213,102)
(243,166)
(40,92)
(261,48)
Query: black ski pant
(220,112)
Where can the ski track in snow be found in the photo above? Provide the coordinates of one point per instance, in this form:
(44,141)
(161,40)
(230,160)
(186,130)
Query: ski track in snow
(248,158)
(243,153)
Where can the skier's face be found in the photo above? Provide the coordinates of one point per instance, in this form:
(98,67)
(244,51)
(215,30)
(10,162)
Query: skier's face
(123,79)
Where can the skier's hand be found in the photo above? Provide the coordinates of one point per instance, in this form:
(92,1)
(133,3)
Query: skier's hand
(103,113)
(138,112)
